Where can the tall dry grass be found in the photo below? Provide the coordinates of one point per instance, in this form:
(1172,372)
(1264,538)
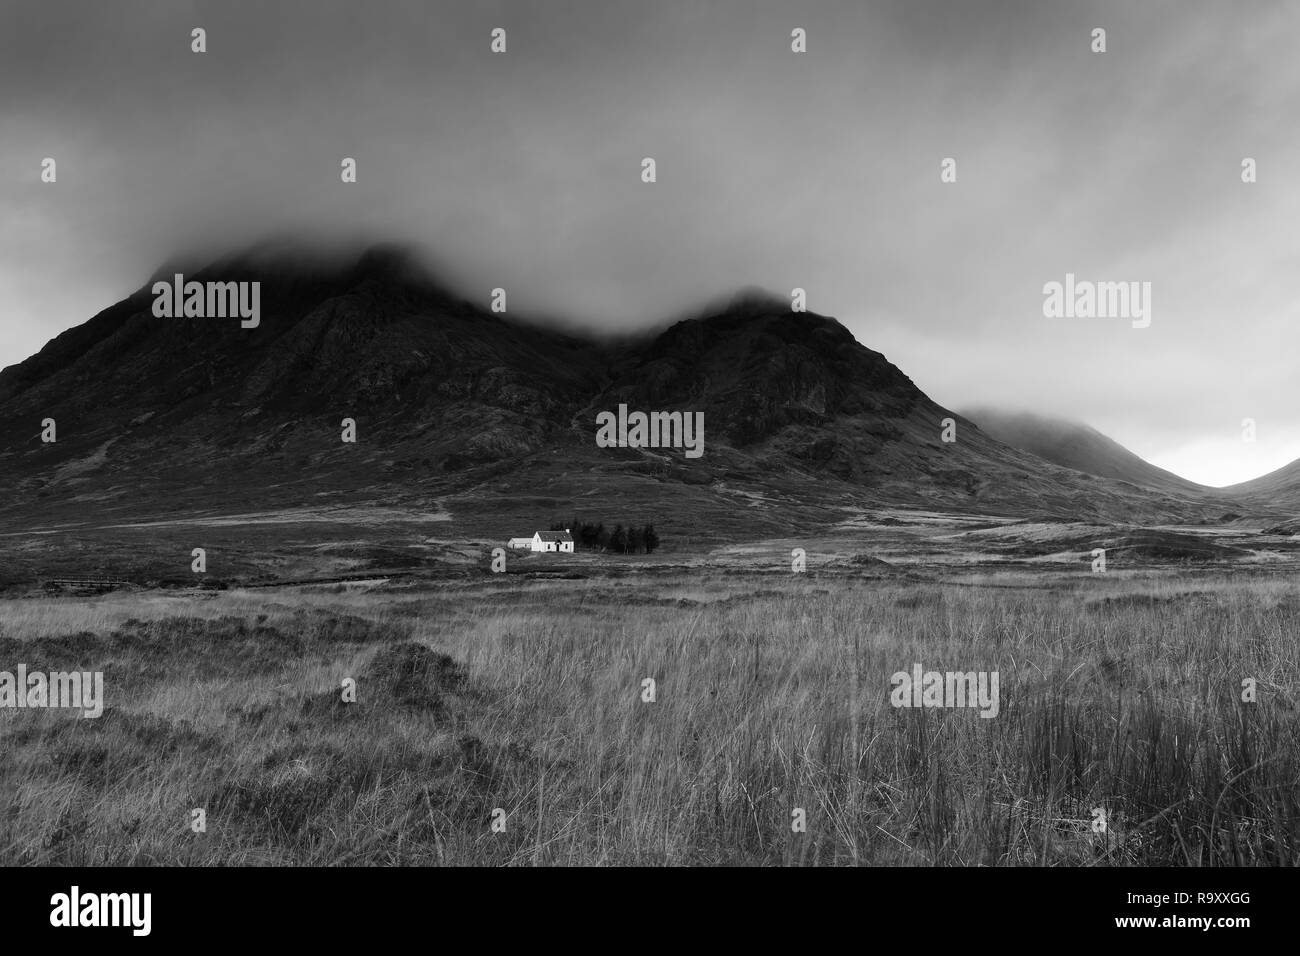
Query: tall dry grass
(772,693)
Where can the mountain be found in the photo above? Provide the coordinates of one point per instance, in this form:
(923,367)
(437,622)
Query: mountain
(1277,489)
(1081,447)
(465,412)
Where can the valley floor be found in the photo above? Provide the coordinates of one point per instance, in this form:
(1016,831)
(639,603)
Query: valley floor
(509,719)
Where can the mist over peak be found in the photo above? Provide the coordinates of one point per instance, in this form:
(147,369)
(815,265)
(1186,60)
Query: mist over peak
(1074,444)
(286,257)
(289,260)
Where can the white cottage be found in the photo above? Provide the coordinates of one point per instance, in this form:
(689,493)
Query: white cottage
(552,541)
(544,541)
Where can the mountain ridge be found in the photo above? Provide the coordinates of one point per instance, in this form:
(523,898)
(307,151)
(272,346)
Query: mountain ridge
(1076,445)
(803,423)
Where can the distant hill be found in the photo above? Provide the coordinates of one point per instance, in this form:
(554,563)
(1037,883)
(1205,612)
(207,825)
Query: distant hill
(463,411)
(1081,447)
(1277,489)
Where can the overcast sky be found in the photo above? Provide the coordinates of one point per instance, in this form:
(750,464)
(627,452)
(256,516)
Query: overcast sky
(818,170)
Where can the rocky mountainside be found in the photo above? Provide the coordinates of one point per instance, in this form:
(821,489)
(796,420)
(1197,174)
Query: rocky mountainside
(460,409)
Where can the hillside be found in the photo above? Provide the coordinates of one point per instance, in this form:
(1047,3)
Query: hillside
(1080,447)
(462,411)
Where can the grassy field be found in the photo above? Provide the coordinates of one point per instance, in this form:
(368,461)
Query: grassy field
(520,702)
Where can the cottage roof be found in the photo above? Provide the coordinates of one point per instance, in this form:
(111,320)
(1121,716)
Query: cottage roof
(555,536)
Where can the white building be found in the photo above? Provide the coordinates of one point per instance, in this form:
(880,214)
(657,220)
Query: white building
(545,541)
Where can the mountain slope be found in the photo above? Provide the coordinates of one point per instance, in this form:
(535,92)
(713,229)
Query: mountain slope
(1279,489)
(458,409)
(1078,446)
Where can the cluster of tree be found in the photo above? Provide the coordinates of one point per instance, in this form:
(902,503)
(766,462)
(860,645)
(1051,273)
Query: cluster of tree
(621,540)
